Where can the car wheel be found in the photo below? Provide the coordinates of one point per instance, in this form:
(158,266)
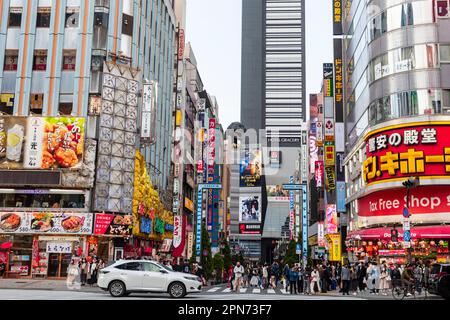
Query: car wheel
(117,289)
(177,290)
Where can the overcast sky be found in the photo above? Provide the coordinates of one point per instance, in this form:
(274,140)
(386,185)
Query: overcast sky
(214,30)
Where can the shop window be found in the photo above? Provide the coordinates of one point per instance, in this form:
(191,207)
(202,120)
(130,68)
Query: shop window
(36,103)
(127,25)
(65,108)
(444,53)
(72,17)
(15,17)
(11,59)
(70,59)
(7,103)
(42,201)
(40,60)
(43,18)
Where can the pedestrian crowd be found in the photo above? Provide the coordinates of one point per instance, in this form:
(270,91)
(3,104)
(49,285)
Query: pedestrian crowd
(85,271)
(356,278)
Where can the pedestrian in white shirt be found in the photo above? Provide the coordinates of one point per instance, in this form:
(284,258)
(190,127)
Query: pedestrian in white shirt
(238,272)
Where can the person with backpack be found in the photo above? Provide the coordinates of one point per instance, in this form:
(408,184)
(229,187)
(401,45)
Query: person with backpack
(275,272)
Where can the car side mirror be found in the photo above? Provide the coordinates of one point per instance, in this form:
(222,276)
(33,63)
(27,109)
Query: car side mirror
(163,271)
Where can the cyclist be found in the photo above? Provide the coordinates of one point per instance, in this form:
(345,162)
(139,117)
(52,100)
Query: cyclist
(396,275)
(408,279)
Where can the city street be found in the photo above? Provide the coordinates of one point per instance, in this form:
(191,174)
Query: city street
(12,291)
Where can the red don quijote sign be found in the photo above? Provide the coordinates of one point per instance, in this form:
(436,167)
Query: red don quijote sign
(423,200)
(405,151)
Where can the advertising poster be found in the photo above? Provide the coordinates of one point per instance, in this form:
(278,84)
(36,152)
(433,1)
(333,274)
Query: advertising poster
(250,169)
(179,235)
(277,193)
(328,79)
(313,153)
(112,224)
(330,178)
(330,159)
(211,148)
(331,222)
(340,167)
(321,241)
(41,142)
(334,245)
(249,210)
(46,222)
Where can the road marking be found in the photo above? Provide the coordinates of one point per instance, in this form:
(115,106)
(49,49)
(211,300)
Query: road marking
(227,290)
(283,291)
(214,289)
(256,290)
(271,291)
(243,290)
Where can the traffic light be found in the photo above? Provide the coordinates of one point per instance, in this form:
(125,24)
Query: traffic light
(394,235)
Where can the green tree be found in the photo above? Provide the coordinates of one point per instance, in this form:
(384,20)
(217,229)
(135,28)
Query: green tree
(226,252)
(206,260)
(291,257)
(218,263)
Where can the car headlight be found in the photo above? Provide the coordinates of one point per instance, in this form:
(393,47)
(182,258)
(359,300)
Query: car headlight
(191,278)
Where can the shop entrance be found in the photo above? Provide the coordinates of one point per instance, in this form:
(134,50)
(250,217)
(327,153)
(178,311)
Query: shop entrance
(58,264)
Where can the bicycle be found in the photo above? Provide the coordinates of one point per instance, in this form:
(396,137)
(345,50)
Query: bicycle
(400,291)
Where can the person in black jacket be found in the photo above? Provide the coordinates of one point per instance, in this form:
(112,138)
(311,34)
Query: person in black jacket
(361,272)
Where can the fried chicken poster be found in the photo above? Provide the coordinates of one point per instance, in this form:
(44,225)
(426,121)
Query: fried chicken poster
(42,142)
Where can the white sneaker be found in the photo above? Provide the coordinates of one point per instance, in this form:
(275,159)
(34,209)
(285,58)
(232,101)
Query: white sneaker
(354,293)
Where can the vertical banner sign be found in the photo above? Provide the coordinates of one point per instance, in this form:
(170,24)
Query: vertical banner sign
(291,209)
(340,195)
(328,79)
(338,81)
(209,214)
(337,17)
(319,133)
(321,234)
(211,149)
(329,153)
(179,235)
(198,226)
(147,110)
(340,168)
(304,223)
(304,162)
(319,174)
(181,44)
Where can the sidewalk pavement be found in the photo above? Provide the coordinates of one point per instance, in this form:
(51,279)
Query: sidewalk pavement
(44,284)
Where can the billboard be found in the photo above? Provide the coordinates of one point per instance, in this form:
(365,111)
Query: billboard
(407,150)
(330,178)
(330,153)
(340,167)
(249,209)
(245,228)
(112,224)
(250,169)
(211,149)
(41,142)
(277,193)
(275,159)
(331,216)
(319,174)
(334,246)
(46,222)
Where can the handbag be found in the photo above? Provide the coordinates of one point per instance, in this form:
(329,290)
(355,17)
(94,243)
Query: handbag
(388,278)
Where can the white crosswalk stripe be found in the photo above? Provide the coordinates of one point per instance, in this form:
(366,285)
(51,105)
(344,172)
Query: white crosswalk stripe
(227,290)
(283,291)
(214,289)
(256,291)
(271,291)
(243,290)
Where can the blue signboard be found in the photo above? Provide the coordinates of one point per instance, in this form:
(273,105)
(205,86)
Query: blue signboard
(407,235)
(145,226)
(291,186)
(340,195)
(304,224)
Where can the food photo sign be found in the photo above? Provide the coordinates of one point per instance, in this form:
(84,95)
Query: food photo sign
(113,224)
(46,222)
(41,142)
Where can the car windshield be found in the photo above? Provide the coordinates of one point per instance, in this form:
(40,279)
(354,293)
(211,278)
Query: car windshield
(436,269)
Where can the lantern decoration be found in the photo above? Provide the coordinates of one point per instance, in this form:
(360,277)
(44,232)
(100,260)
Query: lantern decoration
(379,243)
(441,242)
(364,243)
(432,243)
(370,243)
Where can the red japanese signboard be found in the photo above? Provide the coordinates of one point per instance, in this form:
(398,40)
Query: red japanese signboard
(110,224)
(407,150)
(423,200)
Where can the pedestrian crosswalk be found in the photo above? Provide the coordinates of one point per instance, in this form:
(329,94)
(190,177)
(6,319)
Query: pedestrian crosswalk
(249,290)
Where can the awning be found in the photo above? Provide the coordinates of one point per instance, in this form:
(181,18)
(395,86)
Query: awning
(429,232)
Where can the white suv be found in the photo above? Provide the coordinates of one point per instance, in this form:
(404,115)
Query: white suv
(127,276)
